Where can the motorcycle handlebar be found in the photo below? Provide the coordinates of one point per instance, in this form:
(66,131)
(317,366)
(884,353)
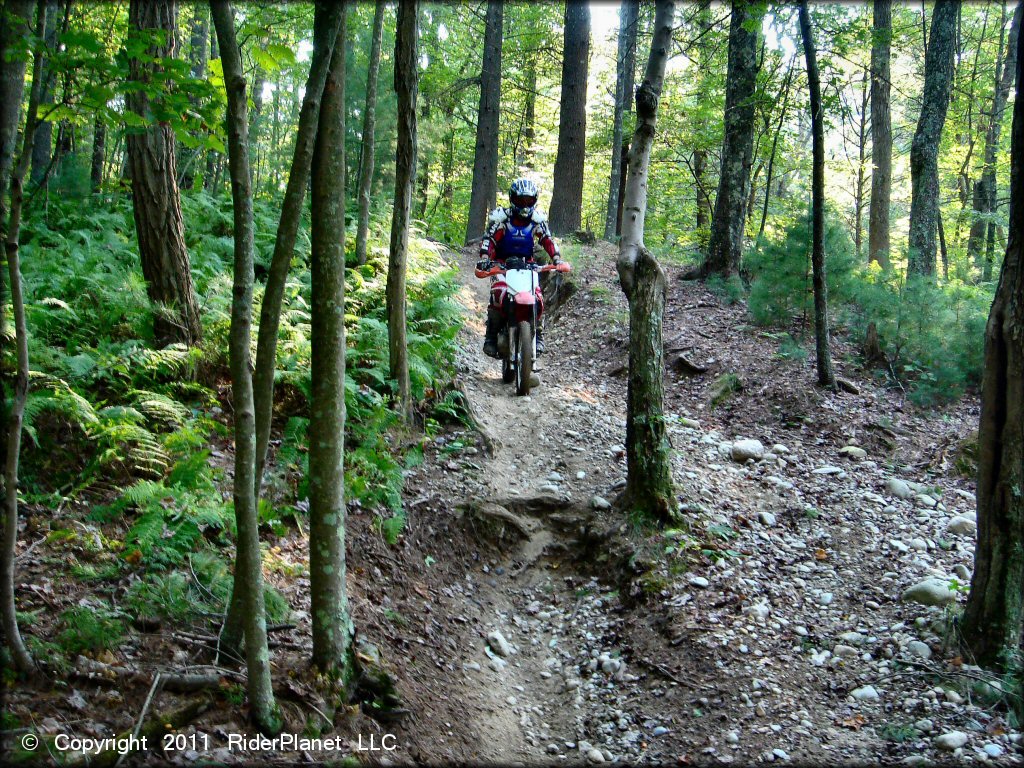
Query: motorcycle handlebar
(497,269)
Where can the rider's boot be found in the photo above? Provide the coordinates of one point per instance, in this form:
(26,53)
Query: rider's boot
(491,333)
(539,336)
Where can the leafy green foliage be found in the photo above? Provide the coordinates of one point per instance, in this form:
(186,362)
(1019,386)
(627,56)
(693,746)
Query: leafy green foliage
(172,515)
(930,333)
(201,591)
(88,629)
(781,285)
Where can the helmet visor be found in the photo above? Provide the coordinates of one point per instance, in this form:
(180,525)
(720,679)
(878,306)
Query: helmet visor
(524,201)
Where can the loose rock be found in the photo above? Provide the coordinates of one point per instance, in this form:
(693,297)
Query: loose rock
(931,591)
(742,450)
(951,741)
(499,644)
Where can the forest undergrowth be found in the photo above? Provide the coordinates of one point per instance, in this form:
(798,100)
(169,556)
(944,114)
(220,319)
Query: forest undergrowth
(126,465)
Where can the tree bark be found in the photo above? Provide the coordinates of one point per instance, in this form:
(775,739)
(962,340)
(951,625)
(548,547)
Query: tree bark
(248,566)
(199,38)
(821,331)
(15,27)
(484,191)
(44,131)
(775,144)
(156,204)
(989,182)
(23,661)
(881,135)
(924,151)
(649,487)
(524,157)
(406,88)
(99,143)
(567,193)
(369,127)
(862,132)
(626,56)
(995,606)
(332,623)
(326,20)
(629,83)
(726,245)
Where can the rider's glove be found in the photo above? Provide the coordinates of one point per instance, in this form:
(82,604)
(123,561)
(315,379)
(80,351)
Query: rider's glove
(483,265)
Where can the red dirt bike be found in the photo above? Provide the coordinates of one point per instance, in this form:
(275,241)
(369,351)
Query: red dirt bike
(516,291)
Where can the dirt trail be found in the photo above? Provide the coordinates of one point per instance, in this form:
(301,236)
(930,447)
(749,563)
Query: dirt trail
(543,472)
(768,628)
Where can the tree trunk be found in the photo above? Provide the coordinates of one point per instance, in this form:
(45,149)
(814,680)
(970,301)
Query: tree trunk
(628,13)
(989,183)
(649,487)
(862,133)
(23,661)
(726,245)
(326,20)
(943,252)
(881,136)
(156,203)
(567,193)
(703,217)
(924,151)
(332,624)
(775,144)
(14,27)
(629,83)
(524,157)
(995,606)
(484,191)
(248,566)
(99,144)
(406,87)
(423,161)
(821,332)
(199,37)
(211,157)
(369,126)
(44,131)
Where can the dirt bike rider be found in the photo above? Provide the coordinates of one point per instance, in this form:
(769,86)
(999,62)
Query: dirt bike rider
(512,233)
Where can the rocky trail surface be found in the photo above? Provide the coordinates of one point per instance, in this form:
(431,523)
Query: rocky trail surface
(805,612)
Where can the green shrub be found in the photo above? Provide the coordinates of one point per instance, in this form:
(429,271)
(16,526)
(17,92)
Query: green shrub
(728,291)
(86,629)
(932,335)
(781,285)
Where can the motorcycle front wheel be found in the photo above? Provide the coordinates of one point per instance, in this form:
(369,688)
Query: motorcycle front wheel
(524,347)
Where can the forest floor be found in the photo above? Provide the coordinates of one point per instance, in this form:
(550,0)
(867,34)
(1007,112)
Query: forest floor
(770,628)
(526,620)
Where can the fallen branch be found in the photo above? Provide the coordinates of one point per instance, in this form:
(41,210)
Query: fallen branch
(666,673)
(159,724)
(682,364)
(142,715)
(185,682)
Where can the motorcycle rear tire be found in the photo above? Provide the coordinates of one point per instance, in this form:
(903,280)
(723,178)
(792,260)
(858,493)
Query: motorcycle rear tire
(524,346)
